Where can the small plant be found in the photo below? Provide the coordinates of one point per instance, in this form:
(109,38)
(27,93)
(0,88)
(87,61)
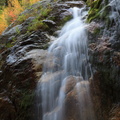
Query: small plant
(26,100)
(17,30)
(44,12)
(98,9)
(36,24)
(21,18)
(65,19)
(9,45)
(9,13)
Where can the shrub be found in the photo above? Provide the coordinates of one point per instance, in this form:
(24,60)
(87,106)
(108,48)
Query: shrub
(36,24)
(9,13)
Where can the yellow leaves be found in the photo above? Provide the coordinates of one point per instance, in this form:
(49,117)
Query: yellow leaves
(26,3)
(10,13)
(33,1)
(3,23)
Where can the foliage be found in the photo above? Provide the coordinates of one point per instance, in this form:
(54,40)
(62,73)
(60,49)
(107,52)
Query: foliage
(17,30)
(23,17)
(10,10)
(98,9)
(25,105)
(27,100)
(3,23)
(65,19)
(38,23)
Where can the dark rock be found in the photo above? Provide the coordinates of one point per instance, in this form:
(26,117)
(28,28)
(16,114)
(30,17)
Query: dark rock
(104,57)
(23,62)
(75,3)
(116,45)
(115,112)
(50,23)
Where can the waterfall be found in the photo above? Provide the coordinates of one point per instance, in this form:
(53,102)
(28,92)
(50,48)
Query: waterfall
(67,60)
(114,14)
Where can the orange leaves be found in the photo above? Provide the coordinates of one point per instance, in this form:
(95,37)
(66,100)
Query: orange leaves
(12,16)
(3,23)
(10,13)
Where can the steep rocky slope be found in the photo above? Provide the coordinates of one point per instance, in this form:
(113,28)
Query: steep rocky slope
(22,53)
(104,44)
(23,50)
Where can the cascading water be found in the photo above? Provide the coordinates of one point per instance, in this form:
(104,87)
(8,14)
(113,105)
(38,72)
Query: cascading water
(113,14)
(67,57)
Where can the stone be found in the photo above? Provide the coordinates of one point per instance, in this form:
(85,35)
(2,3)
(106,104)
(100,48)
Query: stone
(13,30)
(75,3)
(71,81)
(49,22)
(77,101)
(38,57)
(51,76)
(7,109)
(115,112)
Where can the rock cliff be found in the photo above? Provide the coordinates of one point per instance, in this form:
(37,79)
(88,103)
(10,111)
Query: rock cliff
(23,49)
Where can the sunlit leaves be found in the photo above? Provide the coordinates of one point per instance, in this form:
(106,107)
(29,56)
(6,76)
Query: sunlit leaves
(10,13)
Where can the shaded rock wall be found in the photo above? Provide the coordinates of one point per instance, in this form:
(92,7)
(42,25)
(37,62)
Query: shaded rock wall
(104,44)
(22,55)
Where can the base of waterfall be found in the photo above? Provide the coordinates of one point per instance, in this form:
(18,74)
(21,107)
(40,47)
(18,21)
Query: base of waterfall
(64,86)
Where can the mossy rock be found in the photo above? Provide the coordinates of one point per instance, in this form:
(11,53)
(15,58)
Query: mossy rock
(98,10)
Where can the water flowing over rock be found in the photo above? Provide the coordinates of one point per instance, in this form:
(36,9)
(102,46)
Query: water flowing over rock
(104,52)
(63,90)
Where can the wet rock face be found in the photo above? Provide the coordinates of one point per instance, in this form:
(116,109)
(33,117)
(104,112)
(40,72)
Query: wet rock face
(20,70)
(22,55)
(104,56)
(78,106)
(105,60)
(101,100)
(15,79)
(115,112)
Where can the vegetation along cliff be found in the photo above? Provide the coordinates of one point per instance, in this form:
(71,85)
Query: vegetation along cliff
(50,70)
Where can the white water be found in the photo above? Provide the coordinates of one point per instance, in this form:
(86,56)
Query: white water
(115,13)
(68,56)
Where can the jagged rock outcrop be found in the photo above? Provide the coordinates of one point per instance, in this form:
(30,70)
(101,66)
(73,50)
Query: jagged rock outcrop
(23,51)
(104,51)
(22,54)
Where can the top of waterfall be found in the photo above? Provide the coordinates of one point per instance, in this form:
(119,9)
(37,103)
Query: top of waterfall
(75,12)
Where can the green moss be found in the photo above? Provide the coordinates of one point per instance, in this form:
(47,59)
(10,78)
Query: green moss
(97,31)
(21,19)
(52,18)
(97,3)
(44,12)
(45,46)
(92,14)
(94,4)
(67,18)
(9,45)
(36,24)
(97,10)
(26,105)
(27,100)
(17,30)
